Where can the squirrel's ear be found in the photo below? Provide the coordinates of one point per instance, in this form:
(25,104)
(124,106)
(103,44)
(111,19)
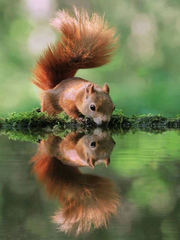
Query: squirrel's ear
(106,162)
(91,162)
(89,90)
(106,88)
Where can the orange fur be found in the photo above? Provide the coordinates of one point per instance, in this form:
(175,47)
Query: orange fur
(86,200)
(86,42)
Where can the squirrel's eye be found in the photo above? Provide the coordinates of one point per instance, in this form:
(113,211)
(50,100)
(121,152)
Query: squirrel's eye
(92,107)
(93,144)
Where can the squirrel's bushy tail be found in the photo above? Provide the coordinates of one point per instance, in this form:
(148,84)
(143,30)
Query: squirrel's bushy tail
(86,42)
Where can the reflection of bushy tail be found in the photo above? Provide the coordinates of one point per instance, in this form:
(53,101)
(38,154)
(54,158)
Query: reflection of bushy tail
(88,200)
(90,203)
(85,43)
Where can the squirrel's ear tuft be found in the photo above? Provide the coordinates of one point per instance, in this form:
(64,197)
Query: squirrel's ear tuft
(89,90)
(106,88)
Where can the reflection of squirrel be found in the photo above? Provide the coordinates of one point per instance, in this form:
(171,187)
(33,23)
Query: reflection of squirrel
(85,43)
(80,150)
(87,200)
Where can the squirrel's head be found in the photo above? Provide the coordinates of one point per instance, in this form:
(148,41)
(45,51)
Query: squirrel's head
(97,104)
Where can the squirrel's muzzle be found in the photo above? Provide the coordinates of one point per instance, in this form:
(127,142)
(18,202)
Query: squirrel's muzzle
(101,121)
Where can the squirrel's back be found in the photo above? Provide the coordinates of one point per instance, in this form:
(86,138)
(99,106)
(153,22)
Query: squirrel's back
(86,42)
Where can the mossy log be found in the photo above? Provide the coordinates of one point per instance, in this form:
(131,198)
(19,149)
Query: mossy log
(35,125)
(35,119)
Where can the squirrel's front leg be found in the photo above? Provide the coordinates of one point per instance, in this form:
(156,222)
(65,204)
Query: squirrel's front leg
(74,113)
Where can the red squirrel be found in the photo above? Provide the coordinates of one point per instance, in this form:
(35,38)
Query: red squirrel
(86,200)
(86,42)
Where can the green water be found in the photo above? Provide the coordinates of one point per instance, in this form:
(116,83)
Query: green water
(144,202)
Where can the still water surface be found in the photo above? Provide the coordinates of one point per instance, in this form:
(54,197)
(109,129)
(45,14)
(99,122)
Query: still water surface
(137,196)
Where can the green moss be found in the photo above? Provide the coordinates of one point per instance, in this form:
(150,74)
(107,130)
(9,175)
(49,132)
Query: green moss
(34,126)
(64,117)
(34,119)
(41,122)
(30,136)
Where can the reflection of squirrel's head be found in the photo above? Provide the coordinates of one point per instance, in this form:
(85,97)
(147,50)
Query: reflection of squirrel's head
(87,200)
(78,149)
(96,148)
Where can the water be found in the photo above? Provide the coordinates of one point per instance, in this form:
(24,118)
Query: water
(138,194)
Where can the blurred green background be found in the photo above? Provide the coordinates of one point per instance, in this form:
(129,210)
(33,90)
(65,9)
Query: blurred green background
(143,76)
